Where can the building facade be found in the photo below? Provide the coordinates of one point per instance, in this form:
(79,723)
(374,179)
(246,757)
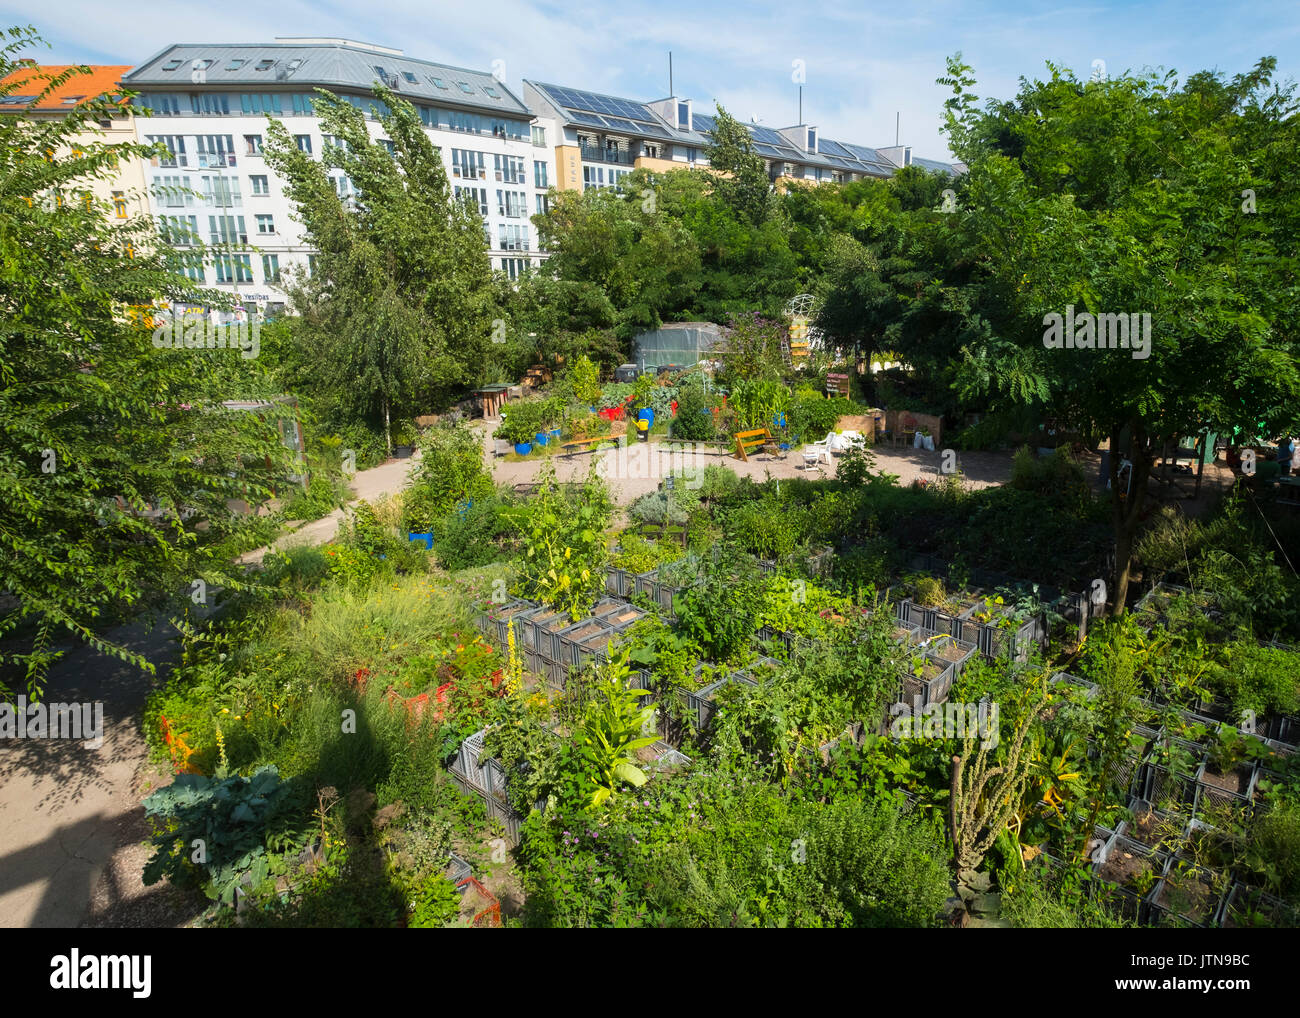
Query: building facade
(208,107)
(125,191)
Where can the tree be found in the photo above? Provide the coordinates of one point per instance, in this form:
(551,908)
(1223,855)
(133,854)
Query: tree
(97,423)
(398,312)
(736,171)
(1129,196)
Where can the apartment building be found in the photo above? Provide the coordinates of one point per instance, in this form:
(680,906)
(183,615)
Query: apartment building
(208,107)
(600,138)
(126,188)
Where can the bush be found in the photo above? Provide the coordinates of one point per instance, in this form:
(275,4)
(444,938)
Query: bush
(323,495)
(475,536)
(450,473)
(814,415)
(694,420)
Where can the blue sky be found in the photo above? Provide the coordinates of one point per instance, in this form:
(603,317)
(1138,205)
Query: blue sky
(863,62)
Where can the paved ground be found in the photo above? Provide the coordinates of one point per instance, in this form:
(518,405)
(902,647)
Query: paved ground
(72,829)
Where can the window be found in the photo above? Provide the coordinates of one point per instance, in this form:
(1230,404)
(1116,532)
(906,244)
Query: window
(539,136)
(409,77)
(514,267)
(171,192)
(234,269)
(684,115)
(302,105)
(691,155)
(508,169)
(265,64)
(260,184)
(512,204)
(491,91)
(428,116)
(389,147)
(254,143)
(543,204)
(539,175)
(478,194)
(812,139)
(72,100)
(119,204)
(228,230)
(652,151)
(311,264)
(467,164)
(172,64)
(330,140)
(222,192)
(383,75)
(303,141)
(271,268)
(265,224)
(210,103)
(181,231)
(215,150)
(464,87)
(175,146)
(438,82)
(295,63)
(235,64)
(257,103)
(188,264)
(161,105)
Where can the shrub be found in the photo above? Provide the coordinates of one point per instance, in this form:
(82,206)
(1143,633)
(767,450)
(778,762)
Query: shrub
(475,536)
(694,420)
(813,415)
(450,473)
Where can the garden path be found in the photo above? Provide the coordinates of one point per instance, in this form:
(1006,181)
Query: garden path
(71,824)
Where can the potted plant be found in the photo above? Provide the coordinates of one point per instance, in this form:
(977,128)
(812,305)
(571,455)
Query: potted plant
(517,427)
(404,440)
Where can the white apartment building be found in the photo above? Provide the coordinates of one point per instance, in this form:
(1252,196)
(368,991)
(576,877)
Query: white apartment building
(600,138)
(209,105)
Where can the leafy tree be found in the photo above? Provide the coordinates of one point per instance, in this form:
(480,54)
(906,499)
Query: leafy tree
(397,315)
(1126,196)
(736,170)
(97,423)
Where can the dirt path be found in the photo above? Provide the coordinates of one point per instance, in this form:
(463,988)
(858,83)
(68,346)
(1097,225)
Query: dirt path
(72,829)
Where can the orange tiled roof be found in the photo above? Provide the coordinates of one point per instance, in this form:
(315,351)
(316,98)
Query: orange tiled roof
(31,80)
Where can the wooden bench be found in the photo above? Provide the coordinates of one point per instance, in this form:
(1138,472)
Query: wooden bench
(749,441)
(587,444)
(837,385)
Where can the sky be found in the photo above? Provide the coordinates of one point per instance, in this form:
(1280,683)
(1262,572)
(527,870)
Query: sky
(863,64)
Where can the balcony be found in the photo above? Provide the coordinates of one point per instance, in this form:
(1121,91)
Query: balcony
(216,160)
(594,154)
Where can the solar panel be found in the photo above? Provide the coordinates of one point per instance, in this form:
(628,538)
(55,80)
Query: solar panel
(572,99)
(588,118)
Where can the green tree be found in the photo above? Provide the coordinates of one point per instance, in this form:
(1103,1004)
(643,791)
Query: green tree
(398,313)
(1128,196)
(736,170)
(98,425)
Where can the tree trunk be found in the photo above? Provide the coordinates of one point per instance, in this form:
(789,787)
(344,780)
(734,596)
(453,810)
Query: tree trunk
(1125,512)
(388,431)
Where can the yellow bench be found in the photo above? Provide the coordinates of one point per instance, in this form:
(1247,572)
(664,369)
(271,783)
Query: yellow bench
(748,441)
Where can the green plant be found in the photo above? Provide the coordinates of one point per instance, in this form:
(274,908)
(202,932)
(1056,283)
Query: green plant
(450,474)
(611,731)
(434,903)
(565,549)
(225,827)
(584,377)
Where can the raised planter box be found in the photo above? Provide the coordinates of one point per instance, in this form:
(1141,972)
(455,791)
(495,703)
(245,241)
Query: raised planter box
(934,682)
(1123,865)
(944,649)
(1187,896)
(501,616)
(583,641)
(1174,787)
(618,615)
(708,696)
(546,628)
(1246,907)
(620,582)
(1215,791)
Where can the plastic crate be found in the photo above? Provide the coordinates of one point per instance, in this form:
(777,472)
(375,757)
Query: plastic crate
(707,695)
(458,869)
(466,762)
(1210,795)
(620,582)
(1245,906)
(1122,855)
(509,818)
(582,641)
(933,689)
(514,612)
(618,615)
(937,647)
(546,635)
(1176,788)
(1199,904)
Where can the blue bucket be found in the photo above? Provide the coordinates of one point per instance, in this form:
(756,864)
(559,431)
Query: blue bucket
(426,538)
(541,437)
(523,448)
